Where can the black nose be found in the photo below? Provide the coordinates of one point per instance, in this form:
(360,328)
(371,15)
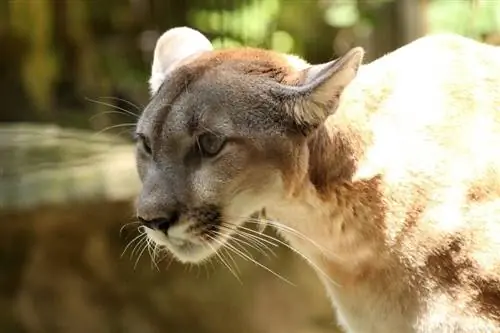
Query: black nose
(160,223)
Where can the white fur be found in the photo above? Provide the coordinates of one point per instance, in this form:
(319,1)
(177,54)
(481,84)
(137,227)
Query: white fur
(174,46)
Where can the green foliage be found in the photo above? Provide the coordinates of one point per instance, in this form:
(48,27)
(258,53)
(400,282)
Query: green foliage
(61,51)
(247,24)
(463,17)
(342,14)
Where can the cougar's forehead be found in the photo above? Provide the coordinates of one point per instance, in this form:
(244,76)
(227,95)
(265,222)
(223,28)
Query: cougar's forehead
(223,90)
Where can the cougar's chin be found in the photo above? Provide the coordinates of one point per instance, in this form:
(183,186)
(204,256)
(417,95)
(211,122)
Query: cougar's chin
(190,248)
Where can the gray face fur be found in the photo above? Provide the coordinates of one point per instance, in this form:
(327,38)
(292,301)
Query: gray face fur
(225,135)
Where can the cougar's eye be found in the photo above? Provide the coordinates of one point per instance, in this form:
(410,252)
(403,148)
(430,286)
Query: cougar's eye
(211,144)
(143,141)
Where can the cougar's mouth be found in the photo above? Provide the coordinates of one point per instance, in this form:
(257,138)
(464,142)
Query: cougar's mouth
(185,247)
(197,236)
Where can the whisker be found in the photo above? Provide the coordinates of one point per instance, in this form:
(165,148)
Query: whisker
(157,251)
(152,254)
(243,255)
(148,248)
(240,246)
(137,107)
(170,261)
(127,225)
(261,241)
(130,133)
(248,241)
(258,236)
(107,112)
(262,237)
(130,243)
(140,254)
(231,238)
(235,265)
(222,259)
(115,107)
(217,253)
(285,228)
(138,246)
(114,126)
(255,245)
(163,254)
(309,261)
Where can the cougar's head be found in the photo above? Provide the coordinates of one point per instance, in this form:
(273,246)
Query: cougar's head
(225,135)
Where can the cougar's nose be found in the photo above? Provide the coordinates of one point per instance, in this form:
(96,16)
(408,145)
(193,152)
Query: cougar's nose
(160,223)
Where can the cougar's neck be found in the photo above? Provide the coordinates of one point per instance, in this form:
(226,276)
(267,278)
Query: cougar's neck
(338,147)
(339,215)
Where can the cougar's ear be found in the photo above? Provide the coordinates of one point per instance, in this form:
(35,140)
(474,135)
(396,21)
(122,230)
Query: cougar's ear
(317,97)
(174,46)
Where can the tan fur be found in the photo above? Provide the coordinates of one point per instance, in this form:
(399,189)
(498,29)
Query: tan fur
(397,193)
(422,210)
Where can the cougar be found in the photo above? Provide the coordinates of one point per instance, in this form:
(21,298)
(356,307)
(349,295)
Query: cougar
(384,175)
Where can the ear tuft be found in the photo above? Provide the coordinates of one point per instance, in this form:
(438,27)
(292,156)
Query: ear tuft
(174,46)
(319,94)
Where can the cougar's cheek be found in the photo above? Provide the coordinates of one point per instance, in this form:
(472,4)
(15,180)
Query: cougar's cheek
(254,195)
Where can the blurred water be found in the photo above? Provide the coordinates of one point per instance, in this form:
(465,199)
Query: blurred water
(45,164)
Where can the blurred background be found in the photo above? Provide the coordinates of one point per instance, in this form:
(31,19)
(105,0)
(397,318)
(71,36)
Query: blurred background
(73,78)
